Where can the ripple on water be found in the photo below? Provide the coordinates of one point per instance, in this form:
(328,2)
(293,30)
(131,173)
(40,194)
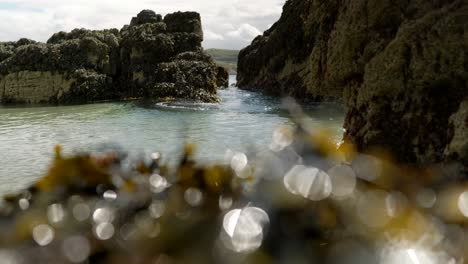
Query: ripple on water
(185,106)
(241,120)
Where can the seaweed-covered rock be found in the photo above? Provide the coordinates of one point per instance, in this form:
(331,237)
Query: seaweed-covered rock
(51,73)
(184,22)
(400,66)
(194,56)
(108,36)
(195,80)
(411,89)
(146,16)
(184,42)
(7,49)
(88,86)
(164,58)
(222,77)
(93,65)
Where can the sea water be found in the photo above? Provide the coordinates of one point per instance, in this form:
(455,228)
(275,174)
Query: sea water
(242,121)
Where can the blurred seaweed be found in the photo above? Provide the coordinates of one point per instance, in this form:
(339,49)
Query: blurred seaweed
(305,201)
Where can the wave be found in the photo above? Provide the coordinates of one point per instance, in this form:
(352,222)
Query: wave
(186,106)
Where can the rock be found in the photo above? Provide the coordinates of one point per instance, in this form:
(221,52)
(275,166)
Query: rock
(194,56)
(88,86)
(33,87)
(163,59)
(184,22)
(65,71)
(7,49)
(222,77)
(290,57)
(93,65)
(457,149)
(412,88)
(79,33)
(400,67)
(144,17)
(46,87)
(184,42)
(195,80)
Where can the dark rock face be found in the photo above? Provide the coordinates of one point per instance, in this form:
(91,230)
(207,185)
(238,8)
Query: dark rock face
(400,66)
(86,66)
(222,77)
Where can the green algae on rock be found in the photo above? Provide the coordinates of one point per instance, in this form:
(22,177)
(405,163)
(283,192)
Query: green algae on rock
(85,66)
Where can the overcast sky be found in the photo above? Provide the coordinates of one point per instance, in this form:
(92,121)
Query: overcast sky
(230,24)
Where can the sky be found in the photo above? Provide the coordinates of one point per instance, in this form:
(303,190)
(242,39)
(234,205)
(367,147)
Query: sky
(227,24)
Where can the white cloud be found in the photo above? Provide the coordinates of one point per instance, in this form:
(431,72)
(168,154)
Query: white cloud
(245,32)
(227,23)
(210,35)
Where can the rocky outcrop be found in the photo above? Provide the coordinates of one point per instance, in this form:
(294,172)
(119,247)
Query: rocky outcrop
(71,68)
(164,58)
(222,77)
(400,67)
(87,66)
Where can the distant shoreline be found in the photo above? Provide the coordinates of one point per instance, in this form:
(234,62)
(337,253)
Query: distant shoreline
(225,58)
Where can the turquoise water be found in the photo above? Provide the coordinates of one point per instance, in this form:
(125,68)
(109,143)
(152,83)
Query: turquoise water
(242,121)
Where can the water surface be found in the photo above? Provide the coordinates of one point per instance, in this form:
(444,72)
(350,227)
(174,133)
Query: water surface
(243,120)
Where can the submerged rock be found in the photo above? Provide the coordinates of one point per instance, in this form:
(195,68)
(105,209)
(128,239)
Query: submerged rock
(94,65)
(400,67)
